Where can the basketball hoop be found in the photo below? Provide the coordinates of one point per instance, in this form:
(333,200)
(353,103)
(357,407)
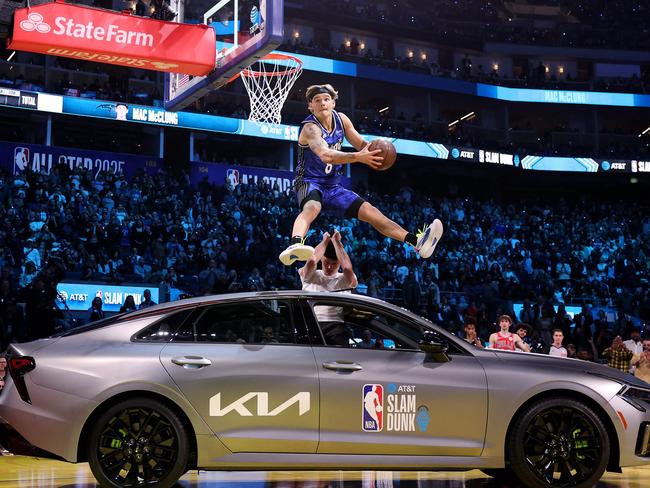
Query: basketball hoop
(268,81)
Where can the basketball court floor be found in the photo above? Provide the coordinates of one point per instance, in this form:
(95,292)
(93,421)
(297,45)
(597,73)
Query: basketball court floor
(31,472)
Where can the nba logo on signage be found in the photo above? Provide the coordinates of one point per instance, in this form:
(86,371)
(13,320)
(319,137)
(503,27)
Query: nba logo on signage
(21,159)
(232,177)
(373,408)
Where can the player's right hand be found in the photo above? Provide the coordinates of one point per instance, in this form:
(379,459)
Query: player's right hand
(370,158)
(326,236)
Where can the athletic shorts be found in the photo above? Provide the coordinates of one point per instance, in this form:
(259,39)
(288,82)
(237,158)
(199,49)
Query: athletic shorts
(335,200)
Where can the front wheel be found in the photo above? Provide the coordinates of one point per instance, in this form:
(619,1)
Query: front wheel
(138,442)
(558,442)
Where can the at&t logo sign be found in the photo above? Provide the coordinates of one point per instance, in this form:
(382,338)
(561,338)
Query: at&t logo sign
(35,22)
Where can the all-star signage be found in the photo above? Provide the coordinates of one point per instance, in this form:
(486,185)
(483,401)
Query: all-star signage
(105,36)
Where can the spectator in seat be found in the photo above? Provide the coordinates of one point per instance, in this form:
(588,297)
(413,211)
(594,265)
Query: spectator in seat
(618,356)
(506,340)
(557,349)
(129,305)
(641,362)
(95,311)
(147,302)
(470,333)
(634,344)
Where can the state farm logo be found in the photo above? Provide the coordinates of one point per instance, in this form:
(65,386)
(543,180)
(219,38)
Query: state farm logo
(35,22)
(66,27)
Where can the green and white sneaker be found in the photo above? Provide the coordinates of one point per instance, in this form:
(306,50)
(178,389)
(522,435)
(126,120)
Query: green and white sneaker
(296,252)
(428,239)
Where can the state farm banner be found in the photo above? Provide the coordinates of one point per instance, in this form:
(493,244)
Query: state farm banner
(219,174)
(104,36)
(16,157)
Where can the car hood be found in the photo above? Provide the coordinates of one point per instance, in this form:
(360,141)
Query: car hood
(545,362)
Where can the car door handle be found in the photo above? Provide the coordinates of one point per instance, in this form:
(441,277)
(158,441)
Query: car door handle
(192,362)
(342,366)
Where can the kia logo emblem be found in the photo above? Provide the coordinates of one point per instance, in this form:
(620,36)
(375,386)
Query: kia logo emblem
(35,22)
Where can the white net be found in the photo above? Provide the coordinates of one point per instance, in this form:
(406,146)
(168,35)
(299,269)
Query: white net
(268,82)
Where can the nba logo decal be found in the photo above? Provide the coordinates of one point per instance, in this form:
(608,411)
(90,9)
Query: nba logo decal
(373,408)
(21,159)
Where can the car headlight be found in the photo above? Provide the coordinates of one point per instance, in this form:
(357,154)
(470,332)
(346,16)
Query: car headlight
(636,397)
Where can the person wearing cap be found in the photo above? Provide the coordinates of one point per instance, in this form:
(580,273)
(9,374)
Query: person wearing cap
(505,340)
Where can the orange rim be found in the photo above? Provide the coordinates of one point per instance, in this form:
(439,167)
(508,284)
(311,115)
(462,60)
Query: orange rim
(271,56)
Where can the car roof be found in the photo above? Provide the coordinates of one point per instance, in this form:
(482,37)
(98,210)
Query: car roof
(235,297)
(188,303)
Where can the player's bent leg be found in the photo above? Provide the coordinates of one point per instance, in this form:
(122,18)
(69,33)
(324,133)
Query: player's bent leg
(299,251)
(310,210)
(371,214)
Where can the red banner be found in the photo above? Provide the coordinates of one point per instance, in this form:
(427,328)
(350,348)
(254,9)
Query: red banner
(104,36)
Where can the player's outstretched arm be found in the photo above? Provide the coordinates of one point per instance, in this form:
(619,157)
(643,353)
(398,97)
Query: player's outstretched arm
(312,262)
(344,260)
(311,135)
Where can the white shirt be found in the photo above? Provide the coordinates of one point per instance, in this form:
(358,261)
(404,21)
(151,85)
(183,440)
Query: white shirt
(558,351)
(635,347)
(318,281)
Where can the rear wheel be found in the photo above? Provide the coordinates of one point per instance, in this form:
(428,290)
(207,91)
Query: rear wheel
(560,443)
(138,442)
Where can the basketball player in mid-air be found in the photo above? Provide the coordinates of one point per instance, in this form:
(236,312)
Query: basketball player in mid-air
(318,179)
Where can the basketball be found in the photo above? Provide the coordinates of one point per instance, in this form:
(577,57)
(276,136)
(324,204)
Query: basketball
(388,152)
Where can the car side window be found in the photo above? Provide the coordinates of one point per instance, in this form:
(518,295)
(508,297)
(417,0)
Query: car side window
(250,322)
(366,328)
(164,329)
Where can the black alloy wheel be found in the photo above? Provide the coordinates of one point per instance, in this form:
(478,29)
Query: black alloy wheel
(138,442)
(559,443)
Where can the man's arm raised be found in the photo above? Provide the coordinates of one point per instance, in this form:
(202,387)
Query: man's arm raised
(312,262)
(344,260)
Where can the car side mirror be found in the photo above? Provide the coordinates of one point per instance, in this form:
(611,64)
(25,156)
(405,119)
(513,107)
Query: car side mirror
(434,348)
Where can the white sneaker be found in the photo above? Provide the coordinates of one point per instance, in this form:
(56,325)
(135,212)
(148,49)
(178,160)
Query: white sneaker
(428,239)
(296,252)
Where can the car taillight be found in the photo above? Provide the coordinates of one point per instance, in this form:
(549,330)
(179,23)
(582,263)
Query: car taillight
(19,366)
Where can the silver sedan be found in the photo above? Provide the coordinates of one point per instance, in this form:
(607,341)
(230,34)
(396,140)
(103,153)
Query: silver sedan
(279,380)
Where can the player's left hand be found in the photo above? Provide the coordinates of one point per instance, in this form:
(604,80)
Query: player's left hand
(337,236)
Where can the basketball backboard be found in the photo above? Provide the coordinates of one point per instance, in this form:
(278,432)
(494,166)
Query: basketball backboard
(246,30)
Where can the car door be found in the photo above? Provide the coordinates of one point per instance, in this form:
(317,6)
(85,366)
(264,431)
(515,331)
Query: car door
(381,395)
(248,369)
